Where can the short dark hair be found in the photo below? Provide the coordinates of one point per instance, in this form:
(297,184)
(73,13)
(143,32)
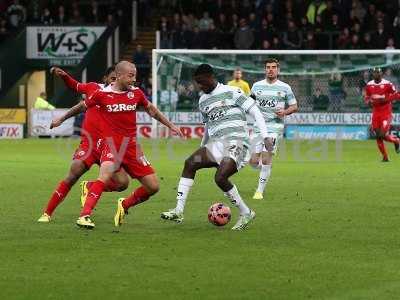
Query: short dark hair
(377,69)
(204,69)
(271,61)
(109,70)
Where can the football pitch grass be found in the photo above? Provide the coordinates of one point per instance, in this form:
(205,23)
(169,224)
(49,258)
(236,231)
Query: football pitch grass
(329,229)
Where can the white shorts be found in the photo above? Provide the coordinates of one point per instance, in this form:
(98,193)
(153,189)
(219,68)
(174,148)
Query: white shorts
(257,142)
(233,149)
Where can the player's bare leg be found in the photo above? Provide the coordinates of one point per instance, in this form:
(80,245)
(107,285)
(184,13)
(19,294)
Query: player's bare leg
(107,170)
(225,170)
(380,135)
(77,169)
(150,186)
(200,159)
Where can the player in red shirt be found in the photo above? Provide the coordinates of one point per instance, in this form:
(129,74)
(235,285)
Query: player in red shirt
(379,94)
(86,154)
(118,104)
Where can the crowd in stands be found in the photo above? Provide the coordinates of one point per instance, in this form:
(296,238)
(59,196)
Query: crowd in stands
(14,14)
(273,24)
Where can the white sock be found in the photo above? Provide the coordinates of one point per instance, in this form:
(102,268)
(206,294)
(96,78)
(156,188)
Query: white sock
(184,187)
(237,201)
(265,173)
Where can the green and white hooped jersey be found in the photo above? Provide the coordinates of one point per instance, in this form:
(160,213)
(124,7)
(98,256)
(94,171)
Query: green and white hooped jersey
(224,112)
(271,97)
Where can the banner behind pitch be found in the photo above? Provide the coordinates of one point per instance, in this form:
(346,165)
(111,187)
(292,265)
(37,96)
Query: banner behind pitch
(60,42)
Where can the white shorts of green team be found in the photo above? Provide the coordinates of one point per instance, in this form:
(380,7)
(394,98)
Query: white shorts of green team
(235,149)
(257,142)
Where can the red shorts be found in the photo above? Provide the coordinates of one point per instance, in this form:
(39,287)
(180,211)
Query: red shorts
(382,122)
(132,160)
(88,152)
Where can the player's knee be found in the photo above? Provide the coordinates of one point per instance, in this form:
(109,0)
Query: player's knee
(266,161)
(71,179)
(153,188)
(190,164)
(122,185)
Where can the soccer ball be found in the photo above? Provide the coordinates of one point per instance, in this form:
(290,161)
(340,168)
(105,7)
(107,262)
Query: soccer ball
(219,214)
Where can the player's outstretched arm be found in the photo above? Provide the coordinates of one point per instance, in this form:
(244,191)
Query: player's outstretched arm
(155,113)
(68,80)
(73,111)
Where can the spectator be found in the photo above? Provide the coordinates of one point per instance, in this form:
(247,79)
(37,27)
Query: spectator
(253,24)
(336,91)
(315,9)
(237,81)
(141,60)
(390,46)
(3,30)
(292,38)
(276,43)
(320,101)
(380,37)
(16,14)
(370,18)
(355,42)
(244,37)
(328,12)
(176,23)
(344,39)
(310,42)
(41,102)
(265,32)
(359,10)
(94,13)
(353,19)
(76,18)
(61,18)
(223,28)
(197,39)
(305,27)
(271,21)
(266,45)
(110,20)
(333,24)
(34,12)
(46,17)
(205,22)
(367,43)
(212,42)
(356,29)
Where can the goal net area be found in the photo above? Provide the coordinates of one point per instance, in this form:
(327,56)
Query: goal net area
(325,81)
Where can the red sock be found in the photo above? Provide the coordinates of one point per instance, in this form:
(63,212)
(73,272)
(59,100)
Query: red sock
(382,148)
(111,186)
(392,139)
(140,195)
(95,191)
(57,197)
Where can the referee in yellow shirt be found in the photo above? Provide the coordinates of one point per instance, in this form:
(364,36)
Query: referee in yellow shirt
(238,82)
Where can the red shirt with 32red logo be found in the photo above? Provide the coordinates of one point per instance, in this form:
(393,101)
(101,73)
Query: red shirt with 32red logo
(118,111)
(384,89)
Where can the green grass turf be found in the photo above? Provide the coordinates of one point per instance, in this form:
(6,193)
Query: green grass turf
(329,229)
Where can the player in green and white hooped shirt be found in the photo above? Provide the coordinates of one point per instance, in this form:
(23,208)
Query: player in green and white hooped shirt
(275,100)
(225,144)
